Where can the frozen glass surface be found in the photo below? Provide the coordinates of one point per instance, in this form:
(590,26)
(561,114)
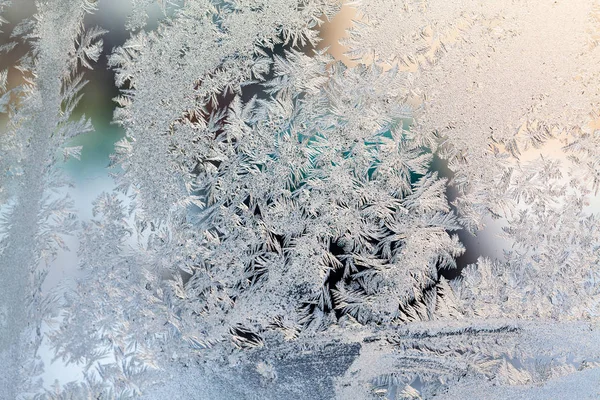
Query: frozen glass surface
(311,199)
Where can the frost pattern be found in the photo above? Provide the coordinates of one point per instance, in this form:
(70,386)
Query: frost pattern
(35,218)
(262,200)
(281,203)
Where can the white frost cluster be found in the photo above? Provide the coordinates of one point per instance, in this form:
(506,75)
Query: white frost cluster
(283,212)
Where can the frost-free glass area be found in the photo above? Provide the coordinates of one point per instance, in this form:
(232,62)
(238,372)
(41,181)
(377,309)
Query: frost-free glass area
(311,199)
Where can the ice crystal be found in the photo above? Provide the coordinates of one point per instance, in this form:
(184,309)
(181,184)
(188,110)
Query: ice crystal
(35,219)
(278,211)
